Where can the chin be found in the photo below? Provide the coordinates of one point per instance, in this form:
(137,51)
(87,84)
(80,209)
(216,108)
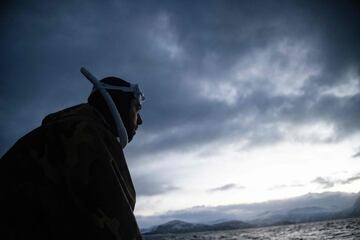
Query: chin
(131,136)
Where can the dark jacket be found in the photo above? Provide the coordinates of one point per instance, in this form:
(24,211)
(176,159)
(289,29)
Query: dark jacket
(67,179)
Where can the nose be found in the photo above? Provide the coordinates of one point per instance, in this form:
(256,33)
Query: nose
(139,120)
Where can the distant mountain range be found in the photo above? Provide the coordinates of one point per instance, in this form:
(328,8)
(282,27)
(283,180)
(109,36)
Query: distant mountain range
(355,210)
(177,226)
(306,208)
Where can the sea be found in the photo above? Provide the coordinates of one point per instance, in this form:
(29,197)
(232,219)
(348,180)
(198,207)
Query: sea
(334,229)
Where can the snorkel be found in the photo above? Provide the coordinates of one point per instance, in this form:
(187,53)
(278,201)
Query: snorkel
(101,87)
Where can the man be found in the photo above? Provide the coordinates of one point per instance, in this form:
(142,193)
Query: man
(68,178)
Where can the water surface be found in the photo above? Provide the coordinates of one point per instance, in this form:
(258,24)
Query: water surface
(348,229)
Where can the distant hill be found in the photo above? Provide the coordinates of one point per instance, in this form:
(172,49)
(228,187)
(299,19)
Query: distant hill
(323,206)
(177,226)
(355,210)
(296,215)
(229,225)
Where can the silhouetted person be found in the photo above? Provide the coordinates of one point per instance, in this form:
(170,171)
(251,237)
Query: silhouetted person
(68,178)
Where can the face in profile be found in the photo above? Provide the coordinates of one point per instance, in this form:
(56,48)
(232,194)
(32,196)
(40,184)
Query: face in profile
(134,118)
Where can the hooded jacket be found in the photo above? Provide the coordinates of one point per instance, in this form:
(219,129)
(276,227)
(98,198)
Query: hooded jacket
(67,179)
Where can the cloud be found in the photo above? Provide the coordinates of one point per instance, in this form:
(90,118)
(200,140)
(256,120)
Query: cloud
(329,183)
(203,73)
(147,185)
(349,180)
(326,183)
(226,187)
(356,155)
(286,186)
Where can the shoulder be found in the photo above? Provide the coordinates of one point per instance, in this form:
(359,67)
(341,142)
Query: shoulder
(80,123)
(79,119)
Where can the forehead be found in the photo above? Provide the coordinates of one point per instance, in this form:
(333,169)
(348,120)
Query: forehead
(134,103)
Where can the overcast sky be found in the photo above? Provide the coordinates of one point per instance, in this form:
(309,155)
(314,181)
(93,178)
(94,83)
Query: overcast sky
(246,101)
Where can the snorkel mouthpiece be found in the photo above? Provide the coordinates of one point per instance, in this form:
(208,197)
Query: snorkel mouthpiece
(101,87)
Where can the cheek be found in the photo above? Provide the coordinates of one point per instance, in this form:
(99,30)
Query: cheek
(135,118)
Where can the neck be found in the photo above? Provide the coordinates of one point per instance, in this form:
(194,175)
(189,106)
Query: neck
(107,117)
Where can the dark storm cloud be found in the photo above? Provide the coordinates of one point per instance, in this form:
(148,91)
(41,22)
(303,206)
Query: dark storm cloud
(235,30)
(151,186)
(44,44)
(338,22)
(171,48)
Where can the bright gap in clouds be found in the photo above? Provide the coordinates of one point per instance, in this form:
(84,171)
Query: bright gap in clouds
(276,171)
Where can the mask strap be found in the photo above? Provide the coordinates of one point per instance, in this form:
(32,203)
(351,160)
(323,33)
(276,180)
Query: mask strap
(134,89)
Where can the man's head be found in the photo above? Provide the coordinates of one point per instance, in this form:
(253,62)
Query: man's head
(128,103)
